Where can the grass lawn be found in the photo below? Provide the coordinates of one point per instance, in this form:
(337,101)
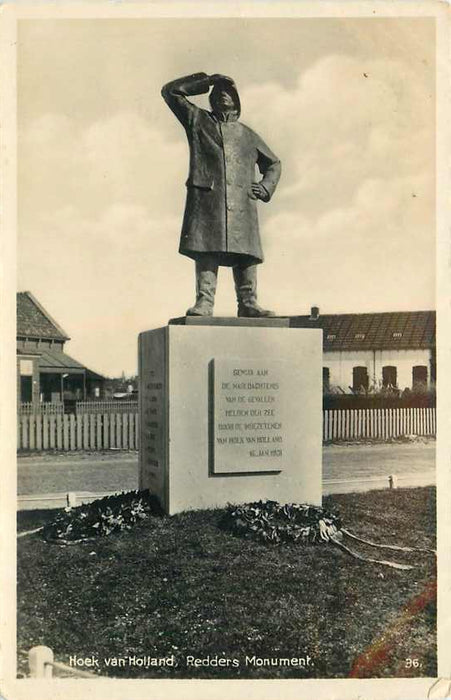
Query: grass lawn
(181,586)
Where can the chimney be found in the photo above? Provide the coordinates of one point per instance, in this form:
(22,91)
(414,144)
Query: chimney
(314,313)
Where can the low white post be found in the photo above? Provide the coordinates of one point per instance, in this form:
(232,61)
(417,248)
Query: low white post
(40,662)
(393,481)
(71,499)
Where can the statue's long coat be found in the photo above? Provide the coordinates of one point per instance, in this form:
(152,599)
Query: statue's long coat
(220,216)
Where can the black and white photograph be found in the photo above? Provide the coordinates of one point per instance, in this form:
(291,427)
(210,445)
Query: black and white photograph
(228,262)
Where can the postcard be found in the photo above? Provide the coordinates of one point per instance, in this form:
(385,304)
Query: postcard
(225,348)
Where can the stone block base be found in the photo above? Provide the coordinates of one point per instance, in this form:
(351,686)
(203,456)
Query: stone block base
(230,413)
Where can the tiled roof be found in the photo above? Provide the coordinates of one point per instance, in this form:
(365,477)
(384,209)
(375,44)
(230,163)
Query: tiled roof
(50,359)
(54,361)
(33,321)
(401,330)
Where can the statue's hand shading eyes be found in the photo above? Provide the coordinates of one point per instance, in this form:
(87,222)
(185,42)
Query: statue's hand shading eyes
(219,78)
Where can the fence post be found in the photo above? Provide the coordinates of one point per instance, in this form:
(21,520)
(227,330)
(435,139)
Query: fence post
(40,662)
(71,499)
(393,481)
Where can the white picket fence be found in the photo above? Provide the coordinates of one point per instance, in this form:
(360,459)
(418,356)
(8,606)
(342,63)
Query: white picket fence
(99,431)
(382,423)
(95,431)
(106,407)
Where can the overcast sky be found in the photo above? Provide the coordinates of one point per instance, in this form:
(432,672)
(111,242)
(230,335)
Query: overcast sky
(347,105)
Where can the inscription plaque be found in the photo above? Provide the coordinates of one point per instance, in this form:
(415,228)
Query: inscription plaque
(248,423)
(152,420)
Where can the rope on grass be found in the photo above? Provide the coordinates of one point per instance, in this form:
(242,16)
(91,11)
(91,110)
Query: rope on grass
(388,546)
(336,540)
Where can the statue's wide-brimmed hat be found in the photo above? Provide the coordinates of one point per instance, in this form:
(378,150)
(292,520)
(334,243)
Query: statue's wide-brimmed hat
(231,89)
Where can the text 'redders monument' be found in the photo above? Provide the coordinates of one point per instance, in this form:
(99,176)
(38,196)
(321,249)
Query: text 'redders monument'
(230,408)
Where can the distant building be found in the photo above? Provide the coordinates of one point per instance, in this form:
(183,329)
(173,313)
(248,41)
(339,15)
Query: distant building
(45,373)
(392,349)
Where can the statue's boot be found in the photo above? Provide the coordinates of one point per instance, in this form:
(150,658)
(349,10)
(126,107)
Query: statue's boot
(206,280)
(246,292)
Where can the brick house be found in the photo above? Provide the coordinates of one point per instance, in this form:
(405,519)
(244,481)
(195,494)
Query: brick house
(391,349)
(45,373)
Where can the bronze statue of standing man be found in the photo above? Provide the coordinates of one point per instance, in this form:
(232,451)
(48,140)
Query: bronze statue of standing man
(220,225)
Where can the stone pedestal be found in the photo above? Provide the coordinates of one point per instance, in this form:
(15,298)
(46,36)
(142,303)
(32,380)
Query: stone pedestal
(230,412)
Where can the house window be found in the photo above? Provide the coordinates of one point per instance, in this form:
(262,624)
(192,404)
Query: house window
(389,376)
(359,336)
(419,375)
(331,336)
(26,389)
(326,378)
(397,335)
(360,379)
(26,368)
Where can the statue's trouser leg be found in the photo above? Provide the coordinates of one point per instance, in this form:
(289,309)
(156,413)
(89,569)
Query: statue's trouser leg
(206,280)
(246,292)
